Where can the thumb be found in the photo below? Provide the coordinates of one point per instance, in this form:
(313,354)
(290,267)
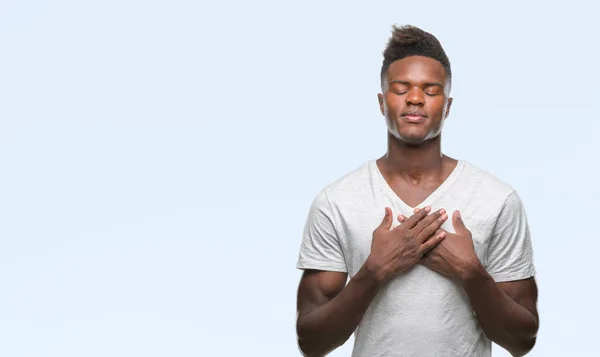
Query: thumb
(457,222)
(387,219)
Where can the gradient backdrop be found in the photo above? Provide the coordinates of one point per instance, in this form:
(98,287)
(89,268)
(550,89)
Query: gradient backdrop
(158,158)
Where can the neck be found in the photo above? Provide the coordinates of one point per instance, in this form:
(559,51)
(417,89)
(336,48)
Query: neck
(414,160)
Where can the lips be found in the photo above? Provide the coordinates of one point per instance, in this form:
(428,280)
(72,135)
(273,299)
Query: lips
(414,117)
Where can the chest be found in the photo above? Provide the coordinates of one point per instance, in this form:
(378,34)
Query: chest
(416,194)
(357,226)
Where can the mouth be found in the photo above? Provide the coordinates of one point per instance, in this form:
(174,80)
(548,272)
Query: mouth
(414,117)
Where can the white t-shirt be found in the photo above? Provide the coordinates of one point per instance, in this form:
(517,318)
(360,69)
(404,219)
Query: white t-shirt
(418,313)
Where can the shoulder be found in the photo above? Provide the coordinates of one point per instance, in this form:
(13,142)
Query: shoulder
(487,184)
(487,192)
(339,193)
(352,184)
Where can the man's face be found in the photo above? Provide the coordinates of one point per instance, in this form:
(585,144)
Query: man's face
(415,99)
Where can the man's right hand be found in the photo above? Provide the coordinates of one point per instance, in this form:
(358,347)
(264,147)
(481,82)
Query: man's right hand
(395,250)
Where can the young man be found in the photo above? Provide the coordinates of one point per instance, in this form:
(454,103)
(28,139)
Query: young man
(438,252)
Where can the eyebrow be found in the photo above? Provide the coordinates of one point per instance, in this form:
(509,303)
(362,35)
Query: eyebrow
(428,84)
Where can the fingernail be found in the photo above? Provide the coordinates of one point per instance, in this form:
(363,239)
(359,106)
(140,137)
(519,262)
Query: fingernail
(427,209)
(442,211)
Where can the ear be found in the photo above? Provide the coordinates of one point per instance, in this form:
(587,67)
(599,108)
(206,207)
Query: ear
(448,107)
(381,106)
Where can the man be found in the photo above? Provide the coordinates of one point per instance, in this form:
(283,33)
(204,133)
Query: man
(448,268)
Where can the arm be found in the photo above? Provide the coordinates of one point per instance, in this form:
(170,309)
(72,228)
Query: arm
(328,313)
(506,311)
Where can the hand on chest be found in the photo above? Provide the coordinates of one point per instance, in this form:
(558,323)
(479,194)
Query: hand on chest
(461,220)
(359,227)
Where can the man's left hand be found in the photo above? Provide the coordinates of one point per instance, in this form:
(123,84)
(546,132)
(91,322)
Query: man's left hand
(455,256)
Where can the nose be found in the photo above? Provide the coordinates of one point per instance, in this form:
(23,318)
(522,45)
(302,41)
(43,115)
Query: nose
(415,96)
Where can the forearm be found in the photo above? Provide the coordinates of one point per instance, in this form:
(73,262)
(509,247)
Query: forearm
(327,327)
(503,320)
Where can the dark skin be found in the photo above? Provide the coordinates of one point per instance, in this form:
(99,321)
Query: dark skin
(415,103)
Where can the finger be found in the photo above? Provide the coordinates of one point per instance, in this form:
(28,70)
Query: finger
(386,223)
(415,218)
(457,222)
(428,226)
(439,231)
(432,243)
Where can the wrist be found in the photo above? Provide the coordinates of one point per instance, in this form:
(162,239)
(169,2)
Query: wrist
(472,270)
(372,273)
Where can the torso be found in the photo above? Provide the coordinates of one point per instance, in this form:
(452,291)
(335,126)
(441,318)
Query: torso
(419,313)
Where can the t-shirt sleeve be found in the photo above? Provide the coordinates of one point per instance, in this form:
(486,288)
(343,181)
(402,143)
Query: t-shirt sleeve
(320,248)
(510,254)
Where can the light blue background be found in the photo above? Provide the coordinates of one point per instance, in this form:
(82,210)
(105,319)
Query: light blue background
(157,160)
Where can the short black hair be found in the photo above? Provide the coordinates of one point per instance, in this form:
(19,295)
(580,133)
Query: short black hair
(410,40)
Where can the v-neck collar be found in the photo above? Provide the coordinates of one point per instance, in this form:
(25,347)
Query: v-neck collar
(429,200)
